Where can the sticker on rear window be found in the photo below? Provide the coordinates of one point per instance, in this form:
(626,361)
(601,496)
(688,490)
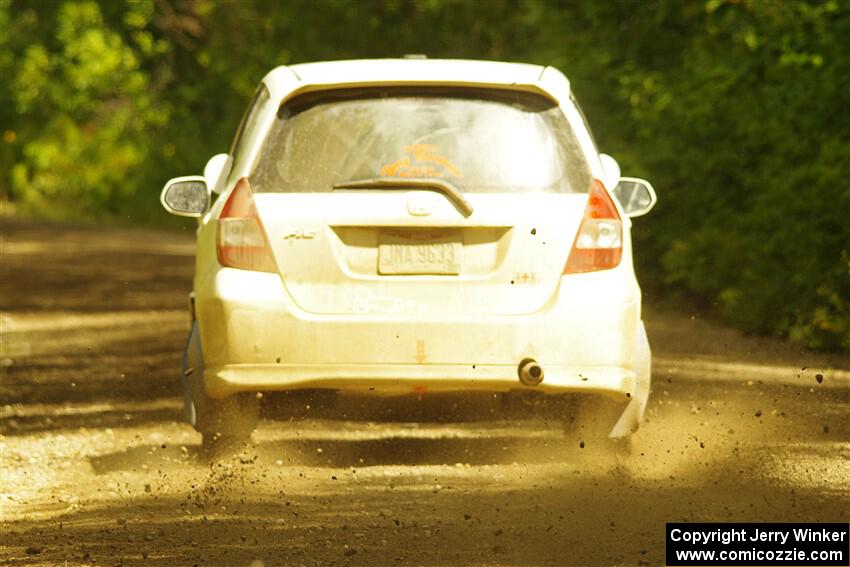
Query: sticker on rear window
(422,160)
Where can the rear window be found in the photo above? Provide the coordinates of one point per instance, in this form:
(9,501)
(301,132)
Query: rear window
(482,140)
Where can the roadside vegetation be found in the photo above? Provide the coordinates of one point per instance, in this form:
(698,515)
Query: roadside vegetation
(734,109)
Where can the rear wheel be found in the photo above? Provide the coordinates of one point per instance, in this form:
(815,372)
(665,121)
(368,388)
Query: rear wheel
(226,424)
(590,422)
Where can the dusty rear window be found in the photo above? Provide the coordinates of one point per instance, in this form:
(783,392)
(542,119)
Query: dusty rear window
(483,141)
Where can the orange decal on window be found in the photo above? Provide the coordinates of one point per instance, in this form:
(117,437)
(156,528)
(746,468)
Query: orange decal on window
(423,155)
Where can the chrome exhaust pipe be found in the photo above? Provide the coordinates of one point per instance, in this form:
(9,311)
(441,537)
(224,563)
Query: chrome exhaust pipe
(530,373)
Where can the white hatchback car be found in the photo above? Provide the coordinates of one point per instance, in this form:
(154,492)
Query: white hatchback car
(412,226)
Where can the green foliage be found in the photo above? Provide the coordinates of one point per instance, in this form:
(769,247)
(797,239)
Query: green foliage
(733,108)
(755,220)
(84,110)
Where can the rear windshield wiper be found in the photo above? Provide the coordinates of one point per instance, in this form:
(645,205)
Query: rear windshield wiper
(433,183)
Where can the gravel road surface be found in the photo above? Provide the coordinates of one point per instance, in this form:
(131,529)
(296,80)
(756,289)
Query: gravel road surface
(99,469)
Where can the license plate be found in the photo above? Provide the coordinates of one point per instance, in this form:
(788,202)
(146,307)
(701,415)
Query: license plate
(419,253)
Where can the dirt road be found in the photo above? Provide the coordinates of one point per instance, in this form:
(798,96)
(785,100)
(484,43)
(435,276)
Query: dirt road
(99,469)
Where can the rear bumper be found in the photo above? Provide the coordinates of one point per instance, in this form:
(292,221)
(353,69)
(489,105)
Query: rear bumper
(255,338)
(249,318)
(397,379)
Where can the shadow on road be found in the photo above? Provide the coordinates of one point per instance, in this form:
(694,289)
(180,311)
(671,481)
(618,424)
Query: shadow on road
(546,511)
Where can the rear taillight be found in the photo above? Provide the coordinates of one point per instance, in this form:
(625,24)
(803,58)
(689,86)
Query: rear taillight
(599,242)
(241,241)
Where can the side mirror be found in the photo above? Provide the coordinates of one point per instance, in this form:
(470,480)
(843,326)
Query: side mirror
(216,170)
(635,195)
(186,196)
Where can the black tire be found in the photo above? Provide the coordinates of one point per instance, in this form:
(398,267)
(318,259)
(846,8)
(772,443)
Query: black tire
(589,423)
(226,424)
